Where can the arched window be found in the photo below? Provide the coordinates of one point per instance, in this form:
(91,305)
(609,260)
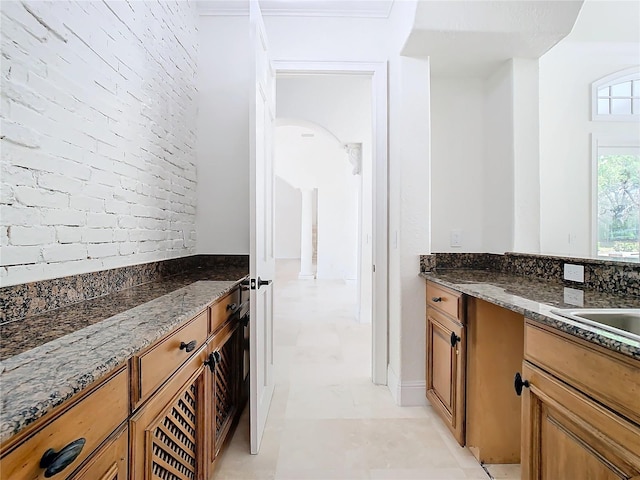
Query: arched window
(617,96)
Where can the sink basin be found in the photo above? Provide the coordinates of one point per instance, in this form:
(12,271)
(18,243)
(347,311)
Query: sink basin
(622,321)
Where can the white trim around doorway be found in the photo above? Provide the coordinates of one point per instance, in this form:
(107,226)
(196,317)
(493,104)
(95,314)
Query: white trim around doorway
(378,73)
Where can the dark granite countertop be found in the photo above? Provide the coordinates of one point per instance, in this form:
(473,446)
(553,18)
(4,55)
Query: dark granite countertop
(535,298)
(48,358)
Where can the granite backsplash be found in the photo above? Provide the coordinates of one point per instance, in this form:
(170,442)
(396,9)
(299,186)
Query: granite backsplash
(35,298)
(601,275)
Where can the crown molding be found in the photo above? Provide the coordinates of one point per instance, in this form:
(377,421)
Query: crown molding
(299,8)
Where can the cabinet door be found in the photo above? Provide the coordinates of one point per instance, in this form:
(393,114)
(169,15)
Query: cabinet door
(109,462)
(445,370)
(568,435)
(167,434)
(226,351)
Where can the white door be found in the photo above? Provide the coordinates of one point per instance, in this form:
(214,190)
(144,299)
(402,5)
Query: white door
(262,260)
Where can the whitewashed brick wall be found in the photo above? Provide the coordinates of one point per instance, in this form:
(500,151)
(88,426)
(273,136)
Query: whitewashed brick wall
(98,117)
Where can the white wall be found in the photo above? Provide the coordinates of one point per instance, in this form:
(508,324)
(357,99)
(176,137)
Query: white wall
(288,210)
(457,162)
(98,134)
(606,39)
(498,178)
(526,156)
(223,135)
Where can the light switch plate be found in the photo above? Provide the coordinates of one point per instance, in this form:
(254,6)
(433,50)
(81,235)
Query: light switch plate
(456,238)
(574,273)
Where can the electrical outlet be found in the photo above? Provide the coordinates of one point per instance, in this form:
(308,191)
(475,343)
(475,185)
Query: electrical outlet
(456,238)
(573,296)
(574,273)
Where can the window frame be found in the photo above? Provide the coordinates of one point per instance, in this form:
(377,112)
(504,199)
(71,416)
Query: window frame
(632,73)
(597,142)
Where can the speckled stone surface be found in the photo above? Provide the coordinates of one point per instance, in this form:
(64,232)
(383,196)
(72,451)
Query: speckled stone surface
(28,299)
(602,275)
(535,298)
(35,381)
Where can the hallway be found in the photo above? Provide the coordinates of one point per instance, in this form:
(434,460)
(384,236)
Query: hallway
(327,420)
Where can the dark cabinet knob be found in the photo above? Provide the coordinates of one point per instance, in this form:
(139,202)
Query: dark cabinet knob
(189,347)
(436,299)
(518,383)
(211,362)
(232,307)
(55,462)
(454,339)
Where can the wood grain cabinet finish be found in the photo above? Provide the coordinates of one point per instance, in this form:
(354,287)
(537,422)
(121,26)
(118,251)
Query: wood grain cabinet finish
(225,387)
(93,416)
(445,362)
(167,434)
(154,365)
(110,462)
(567,432)
(223,309)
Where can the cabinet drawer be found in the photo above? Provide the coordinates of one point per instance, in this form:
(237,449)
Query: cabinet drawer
(161,360)
(612,379)
(445,300)
(224,308)
(93,418)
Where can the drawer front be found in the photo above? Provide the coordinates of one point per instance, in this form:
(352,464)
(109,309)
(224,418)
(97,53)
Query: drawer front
(445,300)
(609,378)
(223,309)
(93,418)
(158,363)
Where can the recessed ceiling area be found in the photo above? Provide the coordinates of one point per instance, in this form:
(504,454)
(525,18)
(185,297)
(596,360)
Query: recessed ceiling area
(471,38)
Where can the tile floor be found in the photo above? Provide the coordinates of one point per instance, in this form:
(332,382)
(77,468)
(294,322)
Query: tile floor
(327,420)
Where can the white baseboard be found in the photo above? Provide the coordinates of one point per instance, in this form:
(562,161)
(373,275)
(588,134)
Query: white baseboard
(412,394)
(393,383)
(406,394)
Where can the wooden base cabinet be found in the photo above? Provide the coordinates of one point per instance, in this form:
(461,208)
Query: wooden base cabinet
(167,434)
(445,364)
(566,433)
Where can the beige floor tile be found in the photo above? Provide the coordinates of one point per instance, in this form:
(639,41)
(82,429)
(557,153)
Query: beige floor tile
(508,472)
(423,474)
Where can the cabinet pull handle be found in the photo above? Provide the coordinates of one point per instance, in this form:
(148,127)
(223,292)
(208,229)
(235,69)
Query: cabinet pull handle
(232,307)
(518,383)
(55,462)
(436,299)
(189,347)
(454,339)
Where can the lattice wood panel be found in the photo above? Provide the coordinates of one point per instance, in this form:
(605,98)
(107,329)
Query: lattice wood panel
(225,394)
(173,455)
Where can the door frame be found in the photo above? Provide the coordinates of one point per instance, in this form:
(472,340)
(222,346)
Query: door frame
(377,71)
